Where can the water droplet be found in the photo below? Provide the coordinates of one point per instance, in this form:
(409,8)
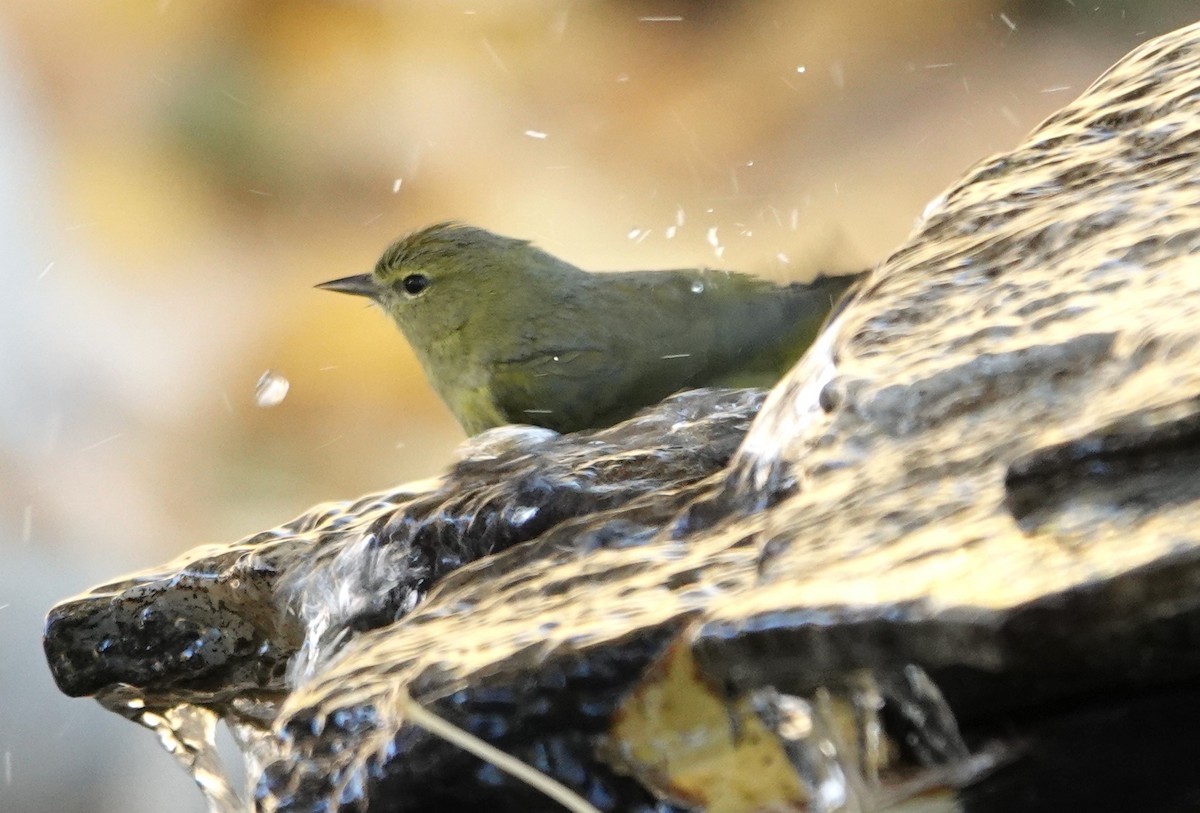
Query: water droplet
(524,514)
(271,389)
(535,134)
(697,287)
(671,231)
(396,185)
(800,69)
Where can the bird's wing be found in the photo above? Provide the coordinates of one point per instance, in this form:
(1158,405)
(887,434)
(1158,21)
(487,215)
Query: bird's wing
(644,335)
(563,389)
(631,340)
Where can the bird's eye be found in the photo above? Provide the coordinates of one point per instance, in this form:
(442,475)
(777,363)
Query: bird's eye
(414,284)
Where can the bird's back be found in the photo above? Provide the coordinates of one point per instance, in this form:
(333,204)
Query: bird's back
(737,327)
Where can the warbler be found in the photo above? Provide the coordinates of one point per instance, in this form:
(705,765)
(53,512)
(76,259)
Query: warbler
(507,333)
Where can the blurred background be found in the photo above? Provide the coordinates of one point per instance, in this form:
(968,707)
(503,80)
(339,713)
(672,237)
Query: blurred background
(176,176)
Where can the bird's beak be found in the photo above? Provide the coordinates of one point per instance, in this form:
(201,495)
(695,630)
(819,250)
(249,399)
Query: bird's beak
(358,285)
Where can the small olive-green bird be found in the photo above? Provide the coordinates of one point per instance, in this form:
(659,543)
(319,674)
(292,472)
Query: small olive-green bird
(510,334)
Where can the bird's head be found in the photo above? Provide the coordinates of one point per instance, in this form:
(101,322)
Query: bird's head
(436,280)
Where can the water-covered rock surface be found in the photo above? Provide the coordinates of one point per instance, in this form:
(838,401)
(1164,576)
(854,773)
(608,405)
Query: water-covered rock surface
(953,563)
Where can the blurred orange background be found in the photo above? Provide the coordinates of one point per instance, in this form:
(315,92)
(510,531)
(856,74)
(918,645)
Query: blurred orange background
(178,175)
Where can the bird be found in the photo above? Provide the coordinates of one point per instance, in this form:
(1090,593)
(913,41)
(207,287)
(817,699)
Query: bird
(510,334)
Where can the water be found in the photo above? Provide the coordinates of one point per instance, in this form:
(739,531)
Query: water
(189,734)
(271,389)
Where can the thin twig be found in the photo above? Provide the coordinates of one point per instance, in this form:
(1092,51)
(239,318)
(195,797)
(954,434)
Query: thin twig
(417,714)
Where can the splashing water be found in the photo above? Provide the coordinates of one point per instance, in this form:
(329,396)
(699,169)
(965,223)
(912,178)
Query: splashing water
(844,767)
(271,389)
(189,734)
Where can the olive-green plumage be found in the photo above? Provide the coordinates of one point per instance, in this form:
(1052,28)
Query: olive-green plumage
(510,334)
